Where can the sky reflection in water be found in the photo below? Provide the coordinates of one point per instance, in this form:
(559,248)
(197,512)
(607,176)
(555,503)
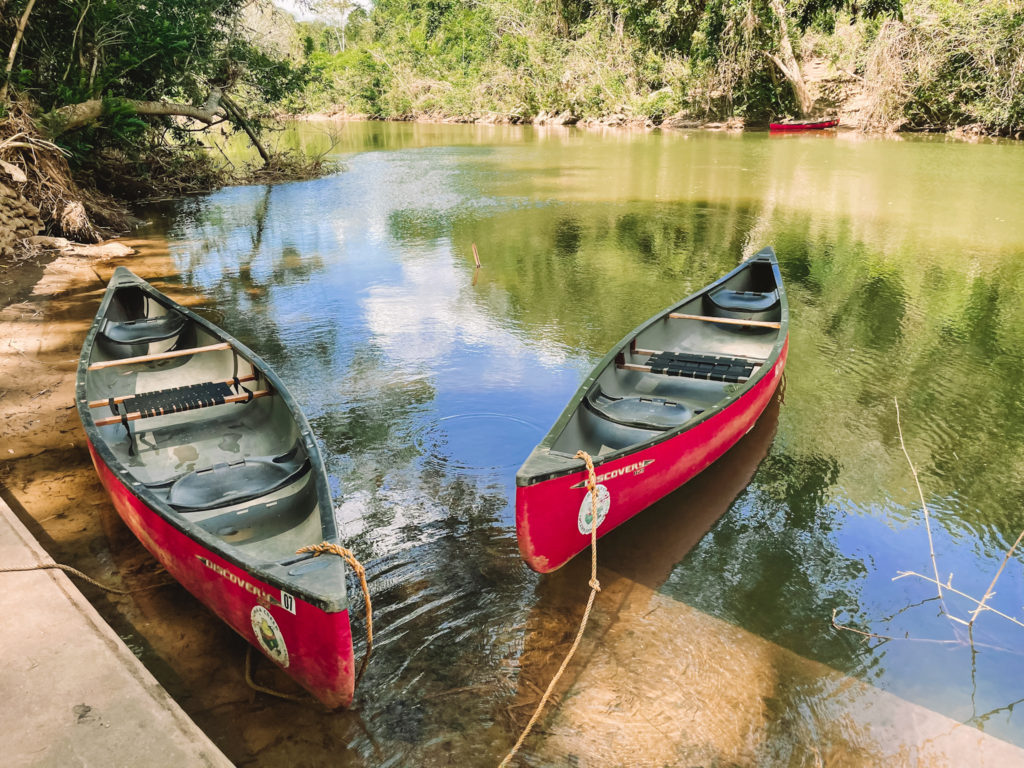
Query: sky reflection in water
(428,384)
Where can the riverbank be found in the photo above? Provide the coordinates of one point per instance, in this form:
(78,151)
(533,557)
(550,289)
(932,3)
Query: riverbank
(916,65)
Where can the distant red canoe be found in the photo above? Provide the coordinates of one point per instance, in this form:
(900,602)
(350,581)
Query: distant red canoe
(813,126)
(670,399)
(212,465)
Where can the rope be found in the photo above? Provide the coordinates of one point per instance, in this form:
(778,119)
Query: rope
(595,587)
(335,549)
(263,689)
(72,571)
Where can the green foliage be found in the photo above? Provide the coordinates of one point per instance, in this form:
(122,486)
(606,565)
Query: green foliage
(952,63)
(160,50)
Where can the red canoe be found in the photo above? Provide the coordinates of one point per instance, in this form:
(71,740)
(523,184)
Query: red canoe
(210,463)
(672,397)
(816,125)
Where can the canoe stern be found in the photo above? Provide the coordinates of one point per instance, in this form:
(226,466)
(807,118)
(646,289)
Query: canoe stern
(552,516)
(312,645)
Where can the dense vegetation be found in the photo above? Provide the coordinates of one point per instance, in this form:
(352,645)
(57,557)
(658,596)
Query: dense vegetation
(94,90)
(109,81)
(919,64)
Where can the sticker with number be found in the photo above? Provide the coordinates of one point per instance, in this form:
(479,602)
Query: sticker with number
(287,602)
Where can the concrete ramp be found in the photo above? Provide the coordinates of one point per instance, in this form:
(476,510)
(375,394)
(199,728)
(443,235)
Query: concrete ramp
(658,683)
(73,693)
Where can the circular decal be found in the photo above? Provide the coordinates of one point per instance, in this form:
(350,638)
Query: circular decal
(604,503)
(269,635)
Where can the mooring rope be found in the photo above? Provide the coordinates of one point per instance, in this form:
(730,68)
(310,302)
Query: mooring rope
(595,587)
(335,549)
(319,549)
(73,572)
(261,688)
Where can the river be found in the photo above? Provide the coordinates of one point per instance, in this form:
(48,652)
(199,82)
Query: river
(428,382)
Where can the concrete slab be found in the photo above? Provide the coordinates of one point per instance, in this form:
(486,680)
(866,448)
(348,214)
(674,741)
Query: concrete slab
(73,694)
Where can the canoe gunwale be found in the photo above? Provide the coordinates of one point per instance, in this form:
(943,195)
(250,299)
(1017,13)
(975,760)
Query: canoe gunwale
(264,570)
(573,465)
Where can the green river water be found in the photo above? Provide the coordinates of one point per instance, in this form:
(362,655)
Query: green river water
(428,383)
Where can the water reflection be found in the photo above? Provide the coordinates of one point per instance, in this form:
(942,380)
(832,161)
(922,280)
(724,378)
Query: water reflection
(428,383)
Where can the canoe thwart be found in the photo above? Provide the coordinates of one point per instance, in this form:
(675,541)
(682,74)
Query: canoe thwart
(725,320)
(159,356)
(177,399)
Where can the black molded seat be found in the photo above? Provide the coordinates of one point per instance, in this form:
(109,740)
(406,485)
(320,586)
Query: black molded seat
(744,301)
(224,485)
(641,412)
(263,521)
(143,331)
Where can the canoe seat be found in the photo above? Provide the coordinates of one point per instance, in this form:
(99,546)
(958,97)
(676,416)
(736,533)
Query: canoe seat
(641,412)
(709,367)
(259,522)
(226,484)
(143,331)
(744,301)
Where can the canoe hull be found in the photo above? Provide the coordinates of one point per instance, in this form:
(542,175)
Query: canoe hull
(313,646)
(547,512)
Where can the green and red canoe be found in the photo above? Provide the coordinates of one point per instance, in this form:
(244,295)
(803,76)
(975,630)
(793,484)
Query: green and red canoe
(673,396)
(212,465)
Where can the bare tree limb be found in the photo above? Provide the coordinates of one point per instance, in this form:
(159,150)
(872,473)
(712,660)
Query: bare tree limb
(236,113)
(988,592)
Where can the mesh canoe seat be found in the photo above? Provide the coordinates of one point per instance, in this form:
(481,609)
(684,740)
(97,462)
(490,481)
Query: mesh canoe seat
(177,399)
(709,367)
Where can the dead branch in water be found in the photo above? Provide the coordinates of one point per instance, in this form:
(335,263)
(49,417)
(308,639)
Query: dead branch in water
(989,592)
(924,506)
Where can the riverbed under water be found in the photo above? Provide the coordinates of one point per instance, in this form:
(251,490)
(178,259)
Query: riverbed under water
(428,382)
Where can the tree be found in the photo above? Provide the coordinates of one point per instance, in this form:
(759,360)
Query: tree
(158,59)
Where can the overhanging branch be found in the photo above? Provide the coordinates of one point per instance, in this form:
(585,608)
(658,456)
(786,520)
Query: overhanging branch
(75,116)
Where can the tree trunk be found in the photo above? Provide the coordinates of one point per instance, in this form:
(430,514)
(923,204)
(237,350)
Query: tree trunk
(786,60)
(75,116)
(236,113)
(19,33)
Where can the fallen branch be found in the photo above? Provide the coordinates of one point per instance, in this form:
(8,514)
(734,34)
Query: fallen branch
(872,635)
(988,592)
(924,506)
(75,116)
(950,588)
